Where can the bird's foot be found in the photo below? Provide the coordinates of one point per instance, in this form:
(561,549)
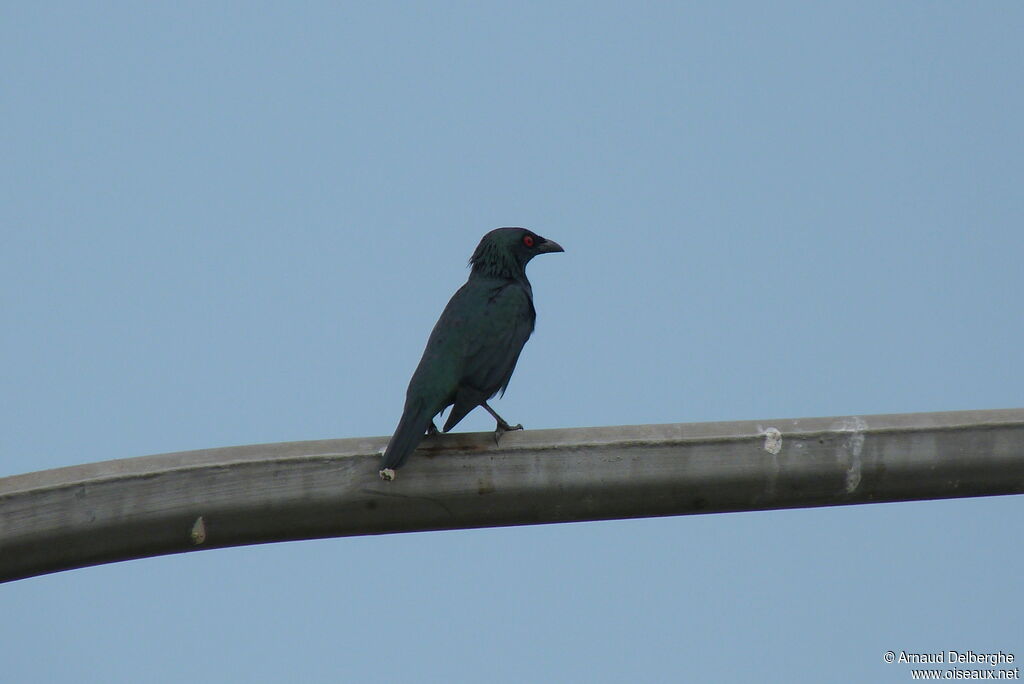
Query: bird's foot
(387,474)
(502,428)
(432,429)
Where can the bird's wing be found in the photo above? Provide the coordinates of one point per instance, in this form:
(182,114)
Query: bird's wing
(474,347)
(435,382)
(440,369)
(498,338)
(495,338)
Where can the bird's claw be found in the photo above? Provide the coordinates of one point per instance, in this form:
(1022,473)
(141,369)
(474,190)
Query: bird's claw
(502,428)
(432,429)
(387,474)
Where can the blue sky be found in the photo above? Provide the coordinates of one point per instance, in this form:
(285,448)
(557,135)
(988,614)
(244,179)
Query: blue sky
(237,223)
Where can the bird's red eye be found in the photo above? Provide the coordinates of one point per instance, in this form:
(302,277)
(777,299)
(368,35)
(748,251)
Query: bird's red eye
(528,240)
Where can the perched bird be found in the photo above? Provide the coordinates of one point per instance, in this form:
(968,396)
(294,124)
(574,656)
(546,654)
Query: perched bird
(474,346)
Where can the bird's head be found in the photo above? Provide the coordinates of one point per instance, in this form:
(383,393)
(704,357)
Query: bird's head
(504,252)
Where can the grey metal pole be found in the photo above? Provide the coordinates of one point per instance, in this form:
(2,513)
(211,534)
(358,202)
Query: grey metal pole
(116,510)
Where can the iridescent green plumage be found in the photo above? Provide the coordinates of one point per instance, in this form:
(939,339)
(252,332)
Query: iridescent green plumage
(476,342)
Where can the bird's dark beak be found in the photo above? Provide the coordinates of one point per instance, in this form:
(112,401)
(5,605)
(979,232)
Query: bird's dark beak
(549,246)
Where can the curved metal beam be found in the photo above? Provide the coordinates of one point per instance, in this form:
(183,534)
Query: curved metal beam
(117,510)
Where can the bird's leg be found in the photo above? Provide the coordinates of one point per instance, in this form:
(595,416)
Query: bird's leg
(432,429)
(502,427)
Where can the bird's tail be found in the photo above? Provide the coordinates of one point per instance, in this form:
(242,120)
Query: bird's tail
(407,435)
